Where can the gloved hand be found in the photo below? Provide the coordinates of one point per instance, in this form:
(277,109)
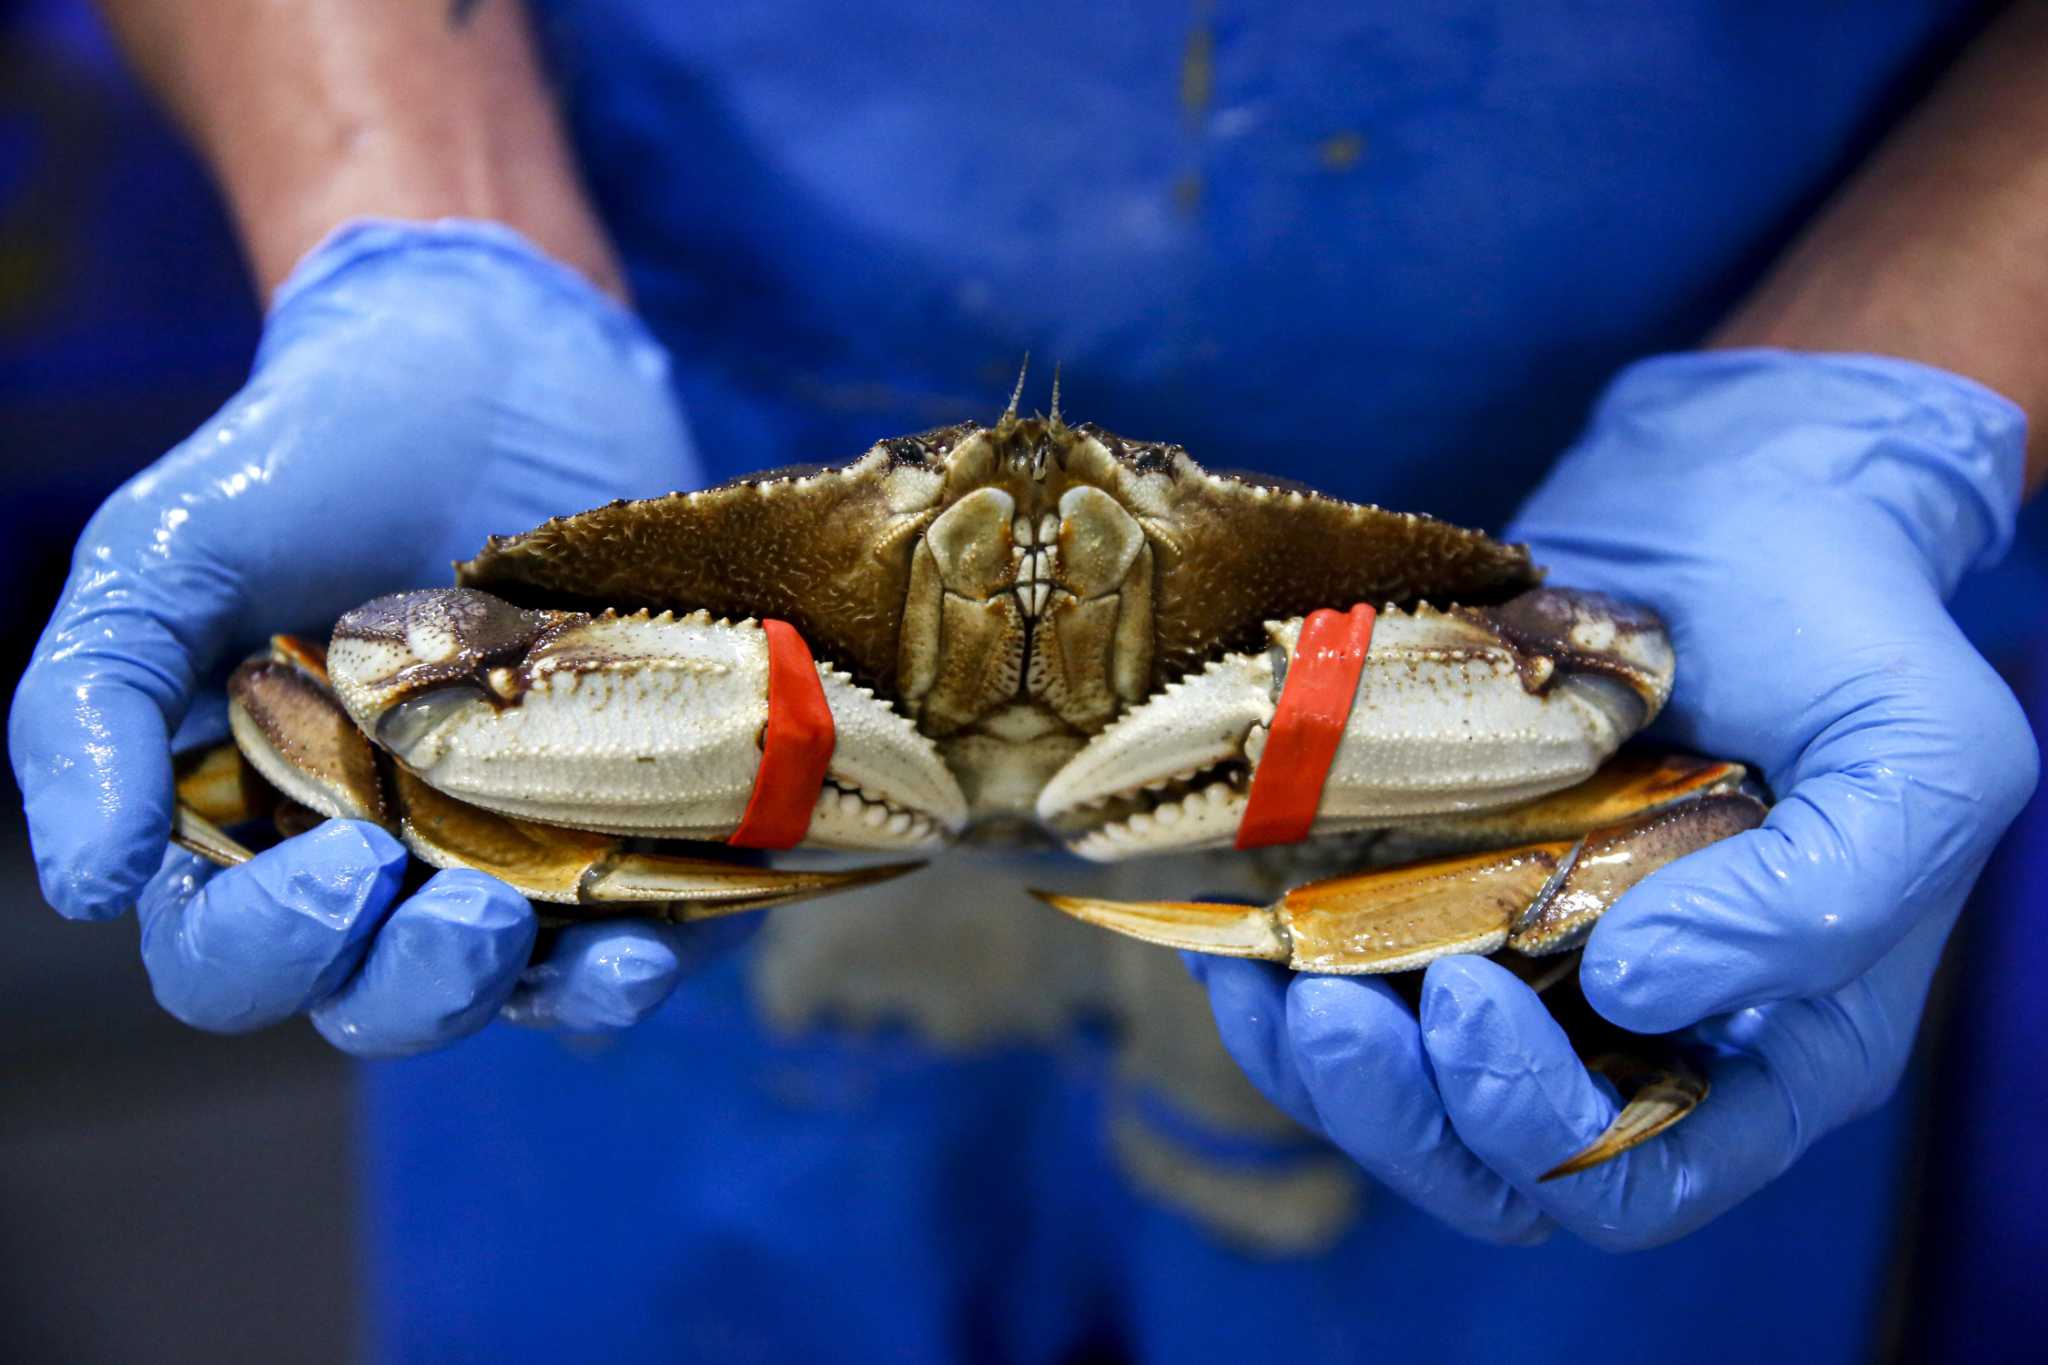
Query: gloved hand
(417,388)
(1799,521)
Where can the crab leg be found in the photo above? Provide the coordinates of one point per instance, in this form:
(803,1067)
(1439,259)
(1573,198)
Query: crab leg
(1536,900)
(1656,1095)
(217,784)
(1636,782)
(565,866)
(292,731)
(288,725)
(1582,848)
(195,833)
(217,787)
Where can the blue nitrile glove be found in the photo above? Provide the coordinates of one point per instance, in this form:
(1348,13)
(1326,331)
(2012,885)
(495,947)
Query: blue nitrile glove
(418,387)
(1798,520)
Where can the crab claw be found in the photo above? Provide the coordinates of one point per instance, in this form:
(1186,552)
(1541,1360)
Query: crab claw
(292,734)
(1457,711)
(642,724)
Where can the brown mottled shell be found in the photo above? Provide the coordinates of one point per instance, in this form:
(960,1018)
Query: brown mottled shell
(829,550)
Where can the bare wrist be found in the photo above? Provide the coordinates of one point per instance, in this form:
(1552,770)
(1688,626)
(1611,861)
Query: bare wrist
(315,112)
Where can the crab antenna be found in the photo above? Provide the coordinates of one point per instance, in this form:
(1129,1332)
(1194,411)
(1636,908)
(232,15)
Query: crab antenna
(1017,394)
(1055,393)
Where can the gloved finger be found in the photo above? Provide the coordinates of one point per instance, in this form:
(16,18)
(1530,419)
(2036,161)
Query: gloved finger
(613,975)
(440,968)
(88,735)
(1360,1056)
(1522,1101)
(1896,807)
(205,723)
(249,946)
(1249,1000)
(1840,1054)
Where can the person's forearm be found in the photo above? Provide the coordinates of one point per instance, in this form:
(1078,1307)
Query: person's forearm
(312,112)
(1937,250)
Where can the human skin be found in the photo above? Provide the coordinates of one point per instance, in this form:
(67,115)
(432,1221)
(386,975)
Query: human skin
(1936,250)
(313,112)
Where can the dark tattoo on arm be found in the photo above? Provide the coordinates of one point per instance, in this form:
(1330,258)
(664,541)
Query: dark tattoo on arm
(459,11)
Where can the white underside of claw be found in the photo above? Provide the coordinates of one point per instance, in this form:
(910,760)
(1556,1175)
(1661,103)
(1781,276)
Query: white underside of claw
(637,727)
(1192,725)
(1443,724)
(644,725)
(880,760)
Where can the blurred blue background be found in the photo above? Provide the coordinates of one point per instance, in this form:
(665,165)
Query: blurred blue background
(165,1195)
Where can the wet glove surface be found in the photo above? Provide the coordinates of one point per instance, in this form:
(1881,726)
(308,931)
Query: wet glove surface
(417,388)
(1799,521)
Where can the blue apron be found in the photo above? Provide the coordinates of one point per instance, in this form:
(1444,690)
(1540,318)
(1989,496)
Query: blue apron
(1389,249)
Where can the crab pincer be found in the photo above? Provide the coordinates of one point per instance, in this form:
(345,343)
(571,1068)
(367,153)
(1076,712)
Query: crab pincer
(1442,714)
(561,751)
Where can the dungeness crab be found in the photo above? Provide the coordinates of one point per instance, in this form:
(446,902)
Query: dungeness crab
(1024,630)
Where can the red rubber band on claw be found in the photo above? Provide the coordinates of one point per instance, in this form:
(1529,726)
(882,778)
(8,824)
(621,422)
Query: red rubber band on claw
(796,746)
(1315,702)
